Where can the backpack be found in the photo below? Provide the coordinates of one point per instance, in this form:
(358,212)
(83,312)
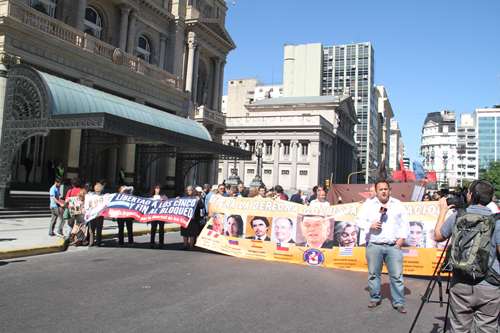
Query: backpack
(469,252)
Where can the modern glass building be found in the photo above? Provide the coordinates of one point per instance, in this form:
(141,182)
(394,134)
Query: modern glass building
(488,128)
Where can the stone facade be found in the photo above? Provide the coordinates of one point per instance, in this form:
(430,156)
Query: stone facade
(166,54)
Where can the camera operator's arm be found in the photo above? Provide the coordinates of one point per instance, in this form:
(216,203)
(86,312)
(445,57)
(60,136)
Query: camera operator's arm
(443,209)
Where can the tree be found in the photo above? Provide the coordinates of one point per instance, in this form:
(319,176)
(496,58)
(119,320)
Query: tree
(493,176)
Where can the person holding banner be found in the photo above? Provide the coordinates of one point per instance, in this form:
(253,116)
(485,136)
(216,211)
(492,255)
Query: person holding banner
(156,193)
(96,225)
(193,228)
(386,224)
(128,221)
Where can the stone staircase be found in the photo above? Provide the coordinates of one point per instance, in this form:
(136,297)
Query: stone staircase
(27,204)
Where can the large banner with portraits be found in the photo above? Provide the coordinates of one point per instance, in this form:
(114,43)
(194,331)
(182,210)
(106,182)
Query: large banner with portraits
(284,231)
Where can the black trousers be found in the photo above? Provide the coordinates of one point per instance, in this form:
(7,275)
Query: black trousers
(161,235)
(95,230)
(121,229)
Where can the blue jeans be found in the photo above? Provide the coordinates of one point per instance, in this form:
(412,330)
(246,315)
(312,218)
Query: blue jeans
(376,255)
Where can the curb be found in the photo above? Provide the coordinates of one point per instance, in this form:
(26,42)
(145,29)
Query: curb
(34,251)
(62,244)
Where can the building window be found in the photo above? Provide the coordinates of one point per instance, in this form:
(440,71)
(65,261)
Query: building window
(251,171)
(234,171)
(285,172)
(220,169)
(48,7)
(269,149)
(92,24)
(286,149)
(305,149)
(143,49)
(267,172)
(232,82)
(250,92)
(303,172)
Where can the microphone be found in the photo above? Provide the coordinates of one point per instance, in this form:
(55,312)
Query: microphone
(382,211)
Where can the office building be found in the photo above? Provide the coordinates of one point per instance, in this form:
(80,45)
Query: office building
(316,70)
(488,136)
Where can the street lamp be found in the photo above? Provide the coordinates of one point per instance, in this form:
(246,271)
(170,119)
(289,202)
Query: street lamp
(234,179)
(257,180)
(445,162)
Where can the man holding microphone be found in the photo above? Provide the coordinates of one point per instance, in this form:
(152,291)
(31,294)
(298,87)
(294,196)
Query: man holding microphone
(386,224)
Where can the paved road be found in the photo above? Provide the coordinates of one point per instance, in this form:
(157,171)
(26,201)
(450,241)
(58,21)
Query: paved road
(136,289)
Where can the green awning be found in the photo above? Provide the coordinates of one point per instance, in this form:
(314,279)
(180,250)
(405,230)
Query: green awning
(70,98)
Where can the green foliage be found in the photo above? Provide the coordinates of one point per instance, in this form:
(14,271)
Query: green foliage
(493,176)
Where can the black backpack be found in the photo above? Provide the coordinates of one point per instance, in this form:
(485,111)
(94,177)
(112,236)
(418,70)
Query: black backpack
(469,252)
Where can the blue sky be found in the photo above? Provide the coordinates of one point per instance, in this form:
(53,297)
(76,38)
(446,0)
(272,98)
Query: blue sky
(430,55)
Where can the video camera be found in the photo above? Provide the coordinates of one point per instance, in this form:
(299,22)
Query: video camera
(460,197)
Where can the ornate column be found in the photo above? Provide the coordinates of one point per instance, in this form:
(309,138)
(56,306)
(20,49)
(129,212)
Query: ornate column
(276,161)
(221,84)
(80,14)
(125,11)
(131,32)
(216,92)
(190,65)
(194,93)
(293,174)
(163,41)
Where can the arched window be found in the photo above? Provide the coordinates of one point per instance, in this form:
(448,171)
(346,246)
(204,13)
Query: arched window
(143,49)
(93,23)
(47,7)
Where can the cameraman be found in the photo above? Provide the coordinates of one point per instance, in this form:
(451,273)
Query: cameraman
(473,305)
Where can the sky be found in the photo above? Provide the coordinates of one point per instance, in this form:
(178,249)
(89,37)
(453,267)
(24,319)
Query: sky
(429,55)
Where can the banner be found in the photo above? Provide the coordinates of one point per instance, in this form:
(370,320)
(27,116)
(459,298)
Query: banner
(328,237)
(119,205)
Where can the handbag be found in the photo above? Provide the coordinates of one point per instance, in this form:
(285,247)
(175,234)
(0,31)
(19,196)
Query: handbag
(66,213)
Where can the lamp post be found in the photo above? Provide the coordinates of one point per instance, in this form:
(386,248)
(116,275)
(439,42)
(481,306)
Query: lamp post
(257,180)
(234,179)
(445,162)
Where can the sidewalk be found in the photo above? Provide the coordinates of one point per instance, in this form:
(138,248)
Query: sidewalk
(24,237)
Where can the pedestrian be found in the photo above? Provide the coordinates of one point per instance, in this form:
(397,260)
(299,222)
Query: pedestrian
(193,229)
(385,234)
(156,193)
(60,171)
(72,193)
(56,205)
(121,177)
(28,165)
(473,304)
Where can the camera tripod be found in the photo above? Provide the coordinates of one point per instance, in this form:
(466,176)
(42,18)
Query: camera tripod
(436,278)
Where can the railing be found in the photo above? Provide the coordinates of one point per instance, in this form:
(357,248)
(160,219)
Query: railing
(41,22)
(205,113)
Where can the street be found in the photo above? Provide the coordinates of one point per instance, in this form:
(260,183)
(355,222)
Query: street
(132,289)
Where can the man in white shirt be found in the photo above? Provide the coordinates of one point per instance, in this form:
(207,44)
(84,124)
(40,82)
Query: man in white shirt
(320,201)
(385,234)
(262,192)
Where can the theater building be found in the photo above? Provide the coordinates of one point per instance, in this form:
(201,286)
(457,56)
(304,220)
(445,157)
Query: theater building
(101,85)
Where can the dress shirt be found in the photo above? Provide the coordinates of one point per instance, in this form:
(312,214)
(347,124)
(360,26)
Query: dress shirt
(395,223)
(316,203)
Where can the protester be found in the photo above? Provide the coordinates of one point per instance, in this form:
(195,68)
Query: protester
(320,201)
(72,193)
(193,229)
(279,193)
(78,235)
(254,193)
(384,243)
(156,193)
(55,206)
(473,305)
(262,192)
(96,225)
(128,221)
(296,197)
(312,195)
(426,197)
(234,193)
